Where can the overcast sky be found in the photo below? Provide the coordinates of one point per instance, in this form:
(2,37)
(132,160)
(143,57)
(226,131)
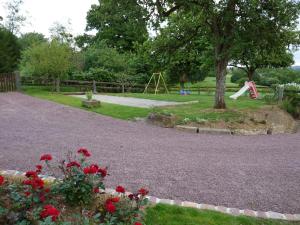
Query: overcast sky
(42,14)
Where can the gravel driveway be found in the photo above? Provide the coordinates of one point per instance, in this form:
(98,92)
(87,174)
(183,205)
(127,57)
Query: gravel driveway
(257,172)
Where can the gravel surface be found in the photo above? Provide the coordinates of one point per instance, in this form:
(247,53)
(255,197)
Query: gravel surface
(129,101)
(257,172)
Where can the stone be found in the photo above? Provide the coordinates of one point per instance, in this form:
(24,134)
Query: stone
(163,120)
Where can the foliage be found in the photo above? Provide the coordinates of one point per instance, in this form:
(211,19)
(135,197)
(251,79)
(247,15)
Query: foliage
(14,20)
(28,40)
(102,63)
(9,51)
(47,60)
(267,45)
(268,77)
(89,95)
(183,61)
(77,198)
(122,23)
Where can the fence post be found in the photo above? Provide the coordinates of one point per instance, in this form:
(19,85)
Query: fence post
(94,87)
(280,93)
(18,81)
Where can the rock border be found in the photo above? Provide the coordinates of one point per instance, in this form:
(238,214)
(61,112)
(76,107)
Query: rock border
(155,200)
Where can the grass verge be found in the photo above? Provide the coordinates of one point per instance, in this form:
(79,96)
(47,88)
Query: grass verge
(116,111)
(174,215)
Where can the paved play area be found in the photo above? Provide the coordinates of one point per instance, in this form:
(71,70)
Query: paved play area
(256,172)
(129,101)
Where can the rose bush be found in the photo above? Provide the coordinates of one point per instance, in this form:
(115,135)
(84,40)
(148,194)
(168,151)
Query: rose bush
(77,197)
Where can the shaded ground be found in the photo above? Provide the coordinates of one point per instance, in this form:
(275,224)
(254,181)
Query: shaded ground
(128,101)
(257,172)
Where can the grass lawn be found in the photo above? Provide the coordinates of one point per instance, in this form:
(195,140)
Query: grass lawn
(193,111)
(175,215)
(116,111)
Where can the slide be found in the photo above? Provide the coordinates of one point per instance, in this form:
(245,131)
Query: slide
(241,91)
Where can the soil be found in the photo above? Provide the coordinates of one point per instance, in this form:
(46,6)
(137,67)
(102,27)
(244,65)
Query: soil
(267,120)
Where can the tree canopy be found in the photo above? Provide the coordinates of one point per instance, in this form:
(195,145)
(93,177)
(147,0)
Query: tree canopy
(122,23)
(9,51)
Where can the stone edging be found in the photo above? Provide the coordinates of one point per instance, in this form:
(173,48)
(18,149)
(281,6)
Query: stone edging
(222,209)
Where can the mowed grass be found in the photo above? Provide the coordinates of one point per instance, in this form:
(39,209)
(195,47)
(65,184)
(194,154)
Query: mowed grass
(116,111)
(174,215)
(202,109)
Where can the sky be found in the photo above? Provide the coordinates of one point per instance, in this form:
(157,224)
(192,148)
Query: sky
(42,14)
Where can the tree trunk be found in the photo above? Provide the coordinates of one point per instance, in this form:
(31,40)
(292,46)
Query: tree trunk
(250,74)
(181,85)
(221,66)
(57,84)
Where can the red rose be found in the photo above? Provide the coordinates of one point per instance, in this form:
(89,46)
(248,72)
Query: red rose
(74,163)
(1,180)
(94,168)
(50,210)
(103,172)
(27,182)
(110,207)
(115,199)
(84,152)
(120,189)
(131,196)
(31,174)
(39,168)
(27,193)
(137,223)
(37,183)
(47,190)
(143,191)
(96,190)
(112,200)
(46,157)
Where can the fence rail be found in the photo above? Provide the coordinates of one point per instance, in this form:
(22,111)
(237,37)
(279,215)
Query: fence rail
(8,82)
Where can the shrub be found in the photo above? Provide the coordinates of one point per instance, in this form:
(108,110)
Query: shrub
(77,198)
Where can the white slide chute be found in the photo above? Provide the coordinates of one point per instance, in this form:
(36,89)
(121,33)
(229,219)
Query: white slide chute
(241,91)
(248,86)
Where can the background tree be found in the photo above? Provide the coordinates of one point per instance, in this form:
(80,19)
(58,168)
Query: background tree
(28,40)
(14,19)
(220,21)
(269,42)
(9,51)
(122,23)
(47,60)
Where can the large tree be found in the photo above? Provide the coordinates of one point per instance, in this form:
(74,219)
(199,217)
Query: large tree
(9,51)
(270,42)
(47,60)
(122,23)
(221,20)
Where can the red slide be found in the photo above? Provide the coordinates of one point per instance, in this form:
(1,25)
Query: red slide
(253,90)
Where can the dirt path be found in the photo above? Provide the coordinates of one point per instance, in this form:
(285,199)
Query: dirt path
(257,172)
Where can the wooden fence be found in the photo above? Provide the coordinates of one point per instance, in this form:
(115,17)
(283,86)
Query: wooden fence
(8,82)
(82,86)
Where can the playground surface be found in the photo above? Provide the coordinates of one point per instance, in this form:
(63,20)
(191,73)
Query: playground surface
(130,101)
(247,172)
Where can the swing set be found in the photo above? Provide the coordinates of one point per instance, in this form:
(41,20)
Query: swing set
(157,78)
